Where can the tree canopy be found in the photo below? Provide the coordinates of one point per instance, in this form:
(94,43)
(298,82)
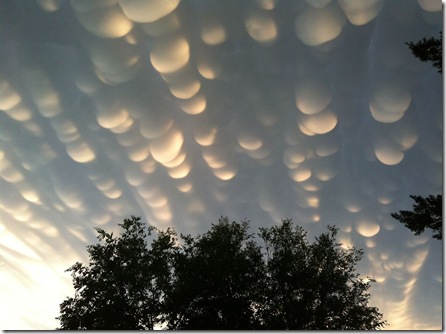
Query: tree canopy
(429,50)
(226,278)
(427,213)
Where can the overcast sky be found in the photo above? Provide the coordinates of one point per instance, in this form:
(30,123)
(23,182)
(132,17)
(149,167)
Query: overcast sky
(183,111)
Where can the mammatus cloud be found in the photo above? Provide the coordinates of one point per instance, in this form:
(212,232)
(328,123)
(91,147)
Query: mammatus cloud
(182,111)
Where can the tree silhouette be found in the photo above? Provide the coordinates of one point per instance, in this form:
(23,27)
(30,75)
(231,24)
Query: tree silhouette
(427,213)
(124,284)
(429,50)
(223,279)
(313,286)
(218,275)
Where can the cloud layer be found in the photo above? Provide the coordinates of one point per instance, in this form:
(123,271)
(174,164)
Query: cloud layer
(182,111)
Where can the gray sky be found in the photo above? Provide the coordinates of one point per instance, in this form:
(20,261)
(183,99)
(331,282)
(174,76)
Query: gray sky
(183,111)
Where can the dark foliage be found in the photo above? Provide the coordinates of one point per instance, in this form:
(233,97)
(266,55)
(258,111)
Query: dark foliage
(429,50)
(124,284)
(427,213)
(218,276)
(314,286)
(222,279)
